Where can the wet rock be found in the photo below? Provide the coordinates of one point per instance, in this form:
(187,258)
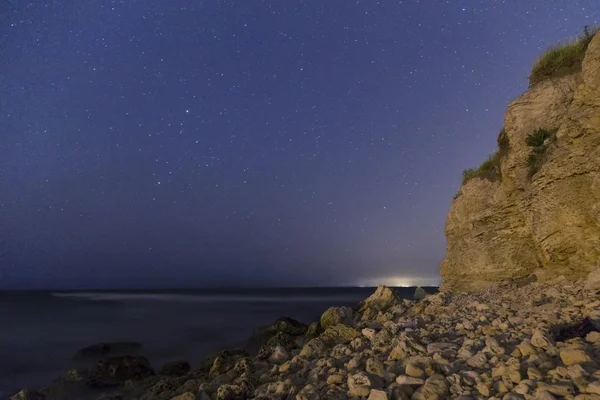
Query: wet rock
(114,370)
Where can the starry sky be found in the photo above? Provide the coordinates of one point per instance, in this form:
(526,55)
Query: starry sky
(149,143)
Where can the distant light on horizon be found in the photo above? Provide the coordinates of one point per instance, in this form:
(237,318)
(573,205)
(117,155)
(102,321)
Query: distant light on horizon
(401,281)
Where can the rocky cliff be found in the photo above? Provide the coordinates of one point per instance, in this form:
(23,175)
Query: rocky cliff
(539,213)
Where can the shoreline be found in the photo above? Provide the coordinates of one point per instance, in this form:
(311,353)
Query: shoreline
(506,341)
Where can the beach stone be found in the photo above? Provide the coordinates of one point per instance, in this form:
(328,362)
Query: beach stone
(377,394)
(369,333)
(359,384)
(560,388)
(414,370)
(233,392)
(185,396)
(479,360)
(435,387)
(513,396)
(398,352)
(175,368)
(312,349)
(544,395)
(541,339)
(279,356)
(335,379)
(593,387)
(420,293)
(336,315)
(375,367)
(572,356)
(27,394)
(409,380)
(119,369)
(314,330)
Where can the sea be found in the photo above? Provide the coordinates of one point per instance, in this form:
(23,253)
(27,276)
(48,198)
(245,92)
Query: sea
(40,332)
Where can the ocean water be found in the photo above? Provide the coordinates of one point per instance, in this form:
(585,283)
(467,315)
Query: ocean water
(41,331)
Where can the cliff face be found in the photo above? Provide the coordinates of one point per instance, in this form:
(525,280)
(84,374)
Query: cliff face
(547,221)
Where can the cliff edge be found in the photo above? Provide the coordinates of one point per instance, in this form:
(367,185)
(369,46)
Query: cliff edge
(534,207)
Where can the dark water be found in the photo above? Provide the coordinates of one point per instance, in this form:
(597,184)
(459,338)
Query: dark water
(41,331)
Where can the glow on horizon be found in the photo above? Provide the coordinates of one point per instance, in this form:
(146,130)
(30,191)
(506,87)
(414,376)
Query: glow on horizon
(401,281)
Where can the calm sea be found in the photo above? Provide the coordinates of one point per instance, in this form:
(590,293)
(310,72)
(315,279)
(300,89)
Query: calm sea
(41,331)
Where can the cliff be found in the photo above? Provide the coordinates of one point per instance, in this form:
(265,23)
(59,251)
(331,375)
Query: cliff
(534,208)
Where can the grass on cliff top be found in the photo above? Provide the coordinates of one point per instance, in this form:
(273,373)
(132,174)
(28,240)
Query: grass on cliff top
(562,60)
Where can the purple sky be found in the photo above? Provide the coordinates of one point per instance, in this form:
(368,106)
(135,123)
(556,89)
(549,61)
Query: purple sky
(192,143)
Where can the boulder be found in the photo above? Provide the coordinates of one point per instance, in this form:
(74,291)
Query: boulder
(175,368)
(339,334)
(359,385)
(420,293)
(283,327)
(383,299)
(115,370)
(336,315)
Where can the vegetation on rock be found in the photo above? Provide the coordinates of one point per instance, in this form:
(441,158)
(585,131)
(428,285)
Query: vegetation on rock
(490,169)
(539,141)
(562,60)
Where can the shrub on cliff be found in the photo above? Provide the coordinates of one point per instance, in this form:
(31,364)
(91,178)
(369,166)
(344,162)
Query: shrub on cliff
(539,141)
(490,169)
(562,60)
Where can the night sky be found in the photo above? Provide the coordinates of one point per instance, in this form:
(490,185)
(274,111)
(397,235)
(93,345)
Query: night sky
(195,143)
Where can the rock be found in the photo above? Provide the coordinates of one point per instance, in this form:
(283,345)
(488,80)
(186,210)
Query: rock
(339,334)
(479,360)
(27,394)
(335,379)
(593,387)
(409,380)
(108,348)
(414,370)
(435,387)
(279,356)
(185,396)
(375,367)
(561,388)
(233,392)
(377,394)
(314,330)
(544,395)
(369,333)
(541,339)
(113,370)
(512,221)
(282,328)
(383,299)
(572,356)
(398,352)
(312,349)
(593,280)
(175,368)
(336,315)
(359,384)
(420,293)
(76,375)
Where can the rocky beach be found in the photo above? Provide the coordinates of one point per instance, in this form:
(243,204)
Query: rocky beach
(529,339)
